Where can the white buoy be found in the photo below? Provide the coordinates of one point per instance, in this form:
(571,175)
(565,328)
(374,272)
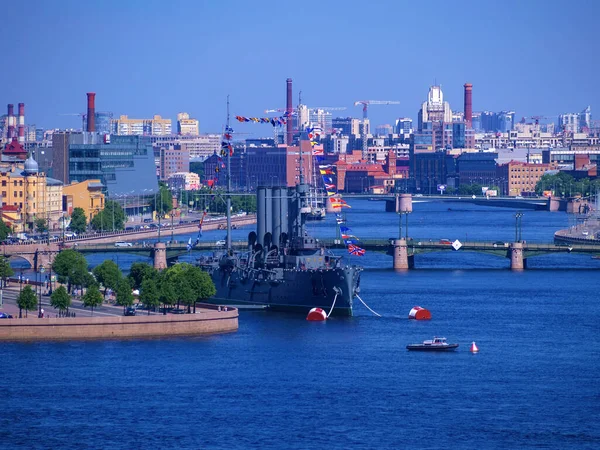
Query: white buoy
(474,348)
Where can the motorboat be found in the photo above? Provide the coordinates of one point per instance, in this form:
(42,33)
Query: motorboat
(437,344)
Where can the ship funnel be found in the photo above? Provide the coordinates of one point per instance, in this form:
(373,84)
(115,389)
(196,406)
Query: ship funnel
(277,217)
(269,212)
(261,212)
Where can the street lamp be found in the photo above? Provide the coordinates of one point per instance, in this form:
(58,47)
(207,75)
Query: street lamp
(518,223)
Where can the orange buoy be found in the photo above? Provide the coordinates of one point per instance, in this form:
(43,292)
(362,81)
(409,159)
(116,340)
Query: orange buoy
(474,348)
(316,315)
(419,313)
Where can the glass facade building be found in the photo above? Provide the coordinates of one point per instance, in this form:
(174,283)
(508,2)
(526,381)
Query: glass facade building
(123,164)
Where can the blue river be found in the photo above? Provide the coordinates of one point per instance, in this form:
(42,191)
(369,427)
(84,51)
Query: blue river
(282,382)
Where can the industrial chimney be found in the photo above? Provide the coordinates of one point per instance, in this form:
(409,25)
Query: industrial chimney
(91,112)
(11,122)
(468,105)
(288,110)
(22,123)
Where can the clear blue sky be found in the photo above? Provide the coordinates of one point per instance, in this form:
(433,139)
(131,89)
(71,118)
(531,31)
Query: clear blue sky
(145,57)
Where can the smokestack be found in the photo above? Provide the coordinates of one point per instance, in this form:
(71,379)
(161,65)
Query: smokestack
(91,112)
(11,122)
(469,105)
(288,110)
(21,123)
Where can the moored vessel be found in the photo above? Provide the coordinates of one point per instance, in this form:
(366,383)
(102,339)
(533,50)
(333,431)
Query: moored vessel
(283,268)
(436,344)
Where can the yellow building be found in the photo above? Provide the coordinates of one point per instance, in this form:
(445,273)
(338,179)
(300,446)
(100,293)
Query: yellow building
(54,202)
(23,190)
(86,195)
(157,126)
(187,126)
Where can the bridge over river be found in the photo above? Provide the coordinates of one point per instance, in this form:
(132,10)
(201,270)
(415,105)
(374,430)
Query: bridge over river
(403,251)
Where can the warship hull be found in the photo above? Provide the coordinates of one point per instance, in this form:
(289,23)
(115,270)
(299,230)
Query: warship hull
(290,290)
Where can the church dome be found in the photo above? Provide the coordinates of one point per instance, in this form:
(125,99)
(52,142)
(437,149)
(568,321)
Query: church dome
(31,166)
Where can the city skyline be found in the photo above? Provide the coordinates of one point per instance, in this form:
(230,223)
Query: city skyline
(144,59)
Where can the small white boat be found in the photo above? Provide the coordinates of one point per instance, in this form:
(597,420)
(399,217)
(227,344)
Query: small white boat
(435,344)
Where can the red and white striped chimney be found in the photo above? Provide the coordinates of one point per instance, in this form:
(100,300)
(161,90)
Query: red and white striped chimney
(11,122)
(22,123)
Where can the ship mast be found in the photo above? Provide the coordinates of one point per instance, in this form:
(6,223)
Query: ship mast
(228,193)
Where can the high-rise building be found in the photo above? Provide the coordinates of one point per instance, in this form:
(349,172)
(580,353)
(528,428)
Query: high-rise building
(173,159)
(187,126)
(123,164)
(585,119)
(321,119)
(198,147)
(346,126)
(569,122)
(435,109)
(384,130)
(404,126)
(494,122)
(157,126)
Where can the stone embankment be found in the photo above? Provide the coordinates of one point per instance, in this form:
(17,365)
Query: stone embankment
(208,319)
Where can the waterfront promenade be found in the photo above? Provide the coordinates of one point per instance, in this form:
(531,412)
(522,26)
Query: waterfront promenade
(108,322)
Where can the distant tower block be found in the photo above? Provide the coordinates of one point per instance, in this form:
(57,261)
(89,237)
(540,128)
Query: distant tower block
(469,105)
(160,256)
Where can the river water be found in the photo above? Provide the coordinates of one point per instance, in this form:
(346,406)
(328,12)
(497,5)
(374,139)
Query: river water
(282,382)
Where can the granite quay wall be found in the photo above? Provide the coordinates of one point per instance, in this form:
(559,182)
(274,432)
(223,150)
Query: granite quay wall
(207,321)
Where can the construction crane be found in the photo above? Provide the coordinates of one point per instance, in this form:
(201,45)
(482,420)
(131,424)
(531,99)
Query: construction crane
(324,108)
(366,104)
(82,115)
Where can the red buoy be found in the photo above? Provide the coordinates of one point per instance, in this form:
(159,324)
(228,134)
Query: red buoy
(419,313)
(316,315)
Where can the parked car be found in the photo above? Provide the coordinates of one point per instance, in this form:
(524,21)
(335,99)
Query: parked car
(221,243)
(147,220)
(130,311)
(123,244)
(445,241)
(5,316)
(70,234)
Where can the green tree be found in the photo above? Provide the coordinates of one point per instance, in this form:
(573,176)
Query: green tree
(92,298)
(124,295)
(5,270)
(112,217)
(139,272)
(167,292)
(108,275)
(559,183)
(197,167)
(4,230)
(27,300)
(162,202)
(41,225)
(192,284)
(149,294)
(78,221)
(61,300)
(71,267)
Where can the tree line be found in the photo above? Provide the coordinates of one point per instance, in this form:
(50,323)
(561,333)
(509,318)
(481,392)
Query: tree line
(181,284)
